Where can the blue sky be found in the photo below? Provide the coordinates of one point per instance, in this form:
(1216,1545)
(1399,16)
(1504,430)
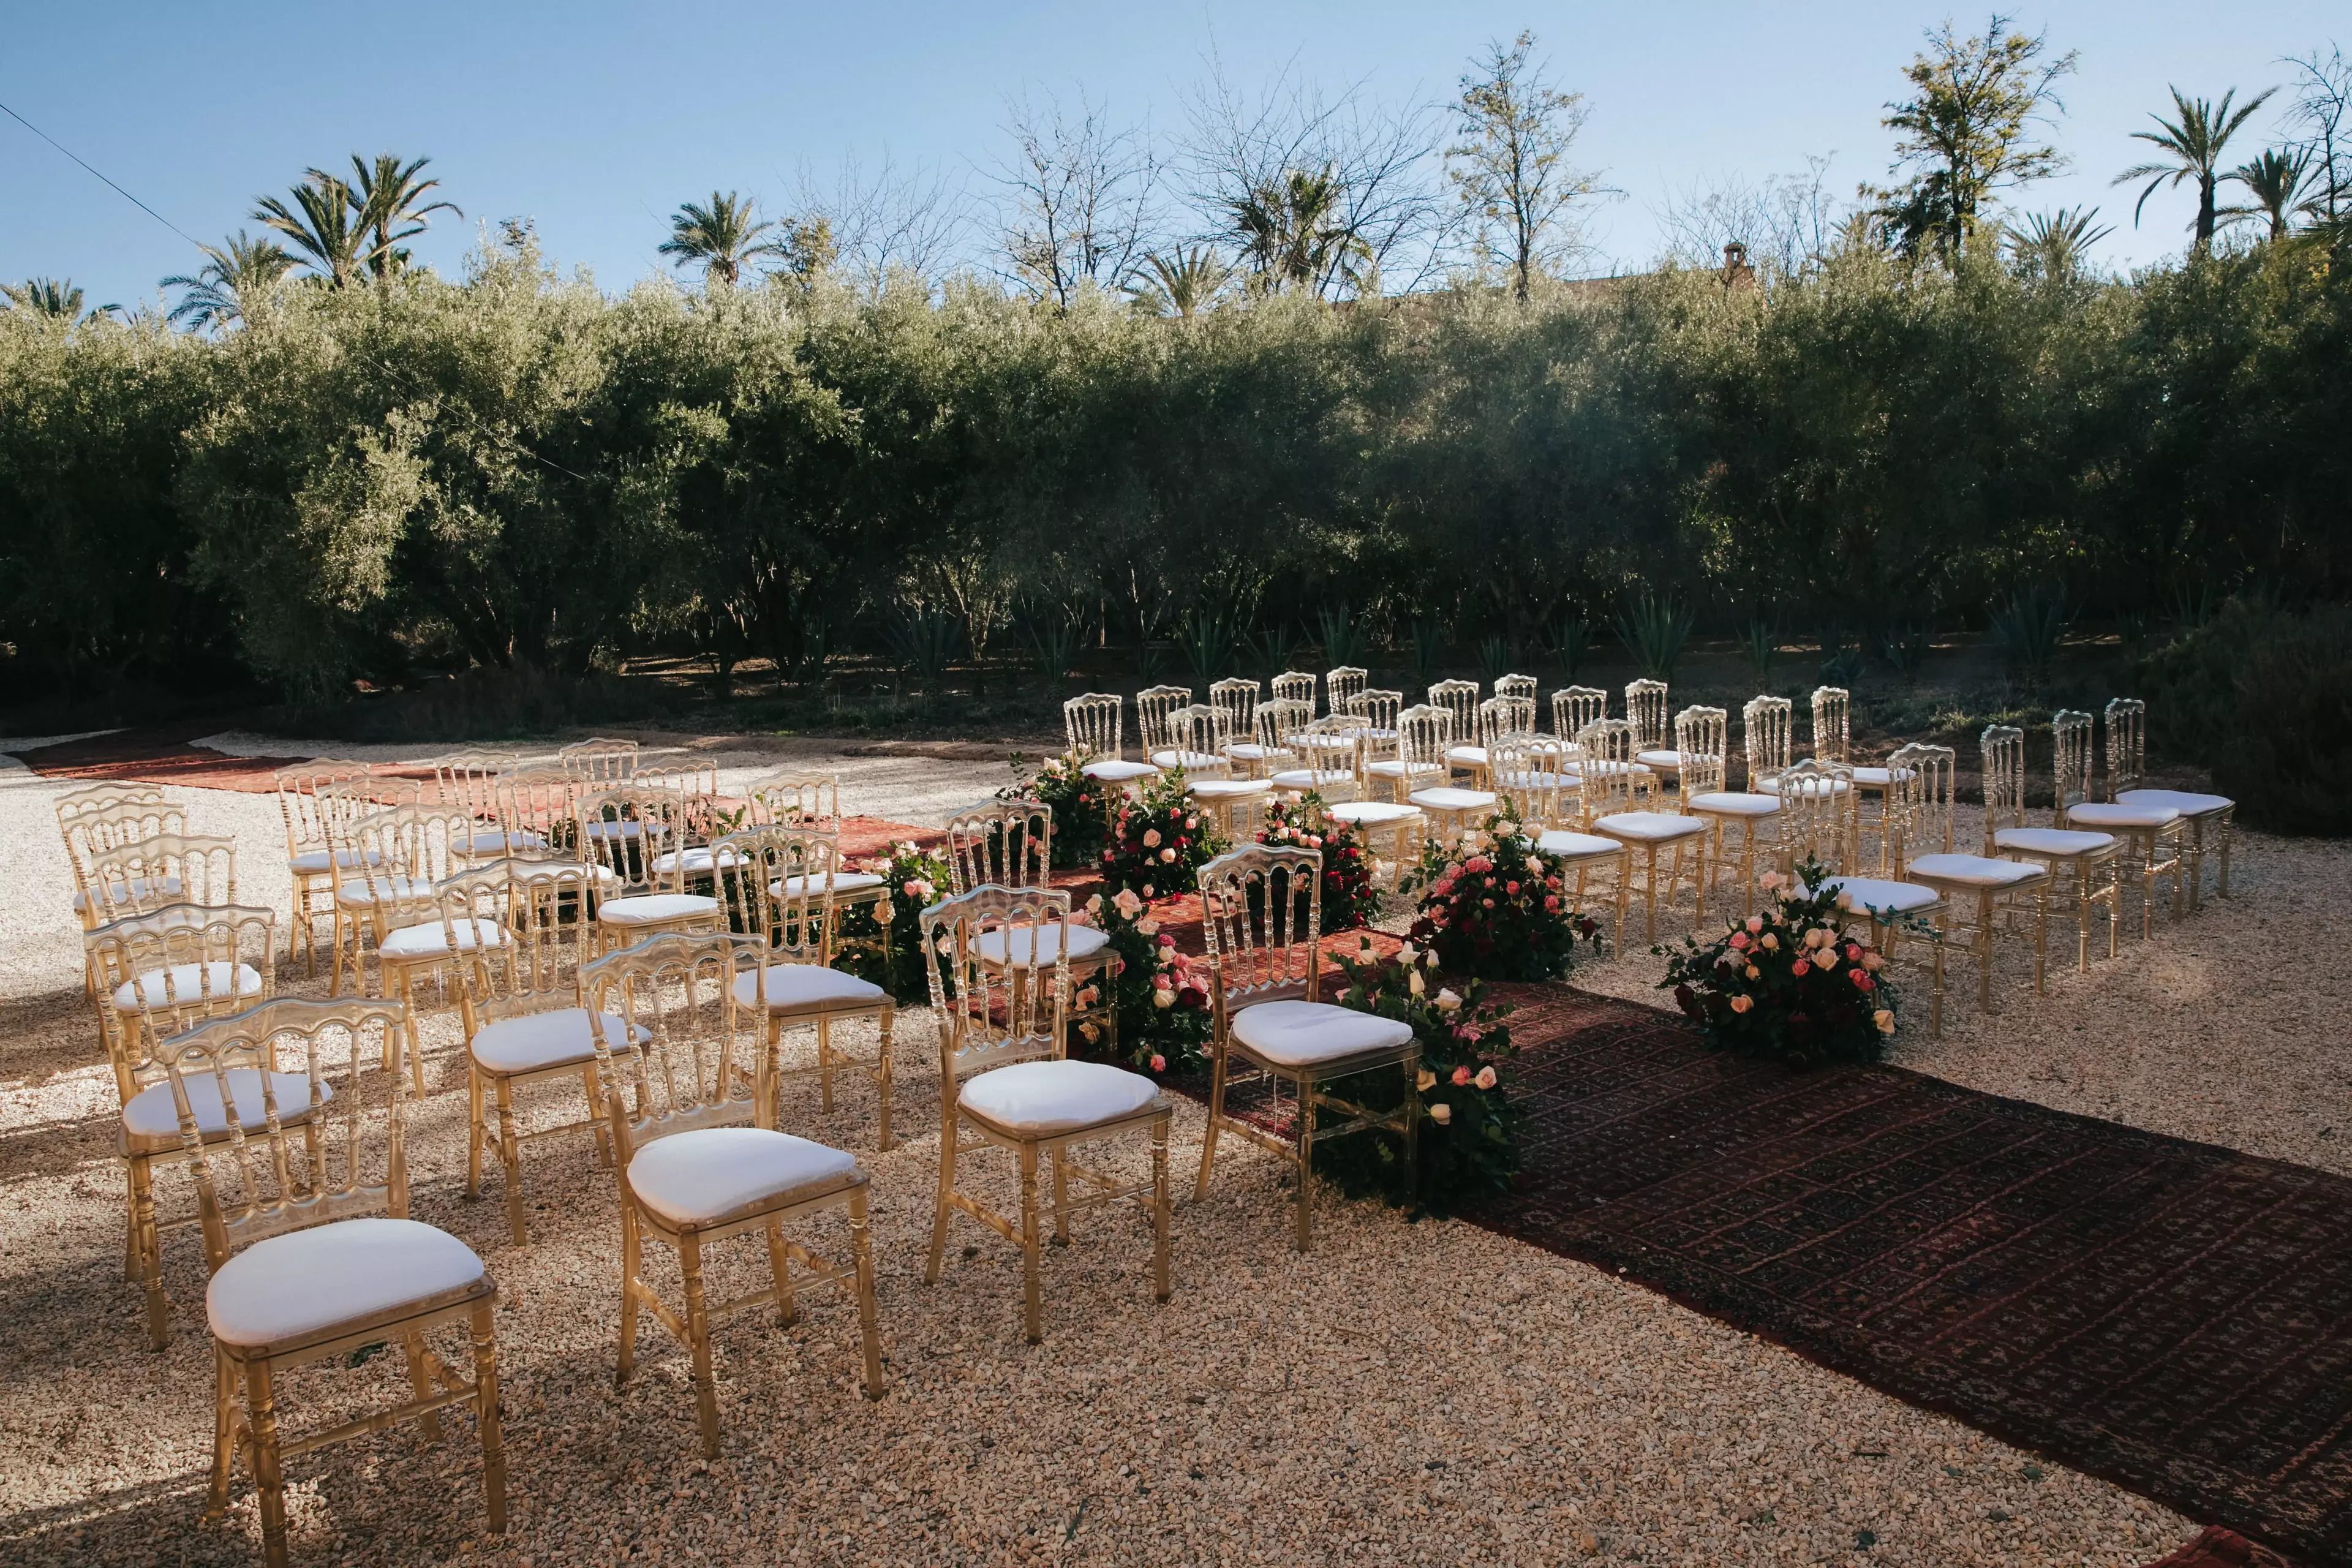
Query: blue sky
(596,119)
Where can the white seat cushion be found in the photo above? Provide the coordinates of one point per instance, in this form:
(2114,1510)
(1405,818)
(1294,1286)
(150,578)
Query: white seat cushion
(1879,778)
(1395,768)
(314,862)
(1603,768)
(137,890)
(1056,1097)
(1372,813)
(2187,802)
(1570,845)
(551,871)
(1311,778)
(1446,797)
(1878,893)
(1115,772)
(494,842)
(1228,789)
(650,908)
(1469,756)
(842,882)
(806,988)
(2122,813)
(290,1286)
(1247,751)
(1649,826)
(1772,785)
(1975,870)
(712,1172)
(1735,803)
(2052,841)
(187,982)
(357,894)
(1301,1034)
(989,946)
(698,861)
(428,940)
(1535,781)
(553,1038)
(1186,760)
(622,827)
(151,1114)
(1659,761)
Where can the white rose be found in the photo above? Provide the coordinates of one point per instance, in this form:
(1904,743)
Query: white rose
(1447,1002)
(1415,985)
(1440,1114)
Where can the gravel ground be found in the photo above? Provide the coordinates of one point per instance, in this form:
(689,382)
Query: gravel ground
(1410,1392)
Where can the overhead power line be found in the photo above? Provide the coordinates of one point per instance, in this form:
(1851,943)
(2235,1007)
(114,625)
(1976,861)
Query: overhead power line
(117,190)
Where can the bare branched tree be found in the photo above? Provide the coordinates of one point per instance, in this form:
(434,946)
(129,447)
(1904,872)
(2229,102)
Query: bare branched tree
(2321,114)
(1511,166)
(912,220)
(1386,221)
(1787,224)
(1080,198)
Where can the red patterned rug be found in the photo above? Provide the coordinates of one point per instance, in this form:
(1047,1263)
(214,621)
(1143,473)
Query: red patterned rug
(2173,1316)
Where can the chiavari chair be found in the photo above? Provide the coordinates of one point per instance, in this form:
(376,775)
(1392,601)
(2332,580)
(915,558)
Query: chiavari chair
(1459,699)
(1091,722)
(1006,1078)
(1278,719)
(1423,732)
(1991,892)
(1919,817)
(1497,717)
(1701,737)
(636,838)
(1767,727)
(1342,685)
(94,821)
(1537,775)
(539,812)
(1238,699)
(1227,799)
(1194,738)
(1377,726)
(1646,710)
(1154,705)
(1812,815)
(312,1254)
(2083,867)
(405,854)
(810,803)
(155,975)
(317,799)
(1294,686)
(696,779)
(1832,724)
(600,763)
(688,1090)
(1575,707)
(2128,765)
(1607,778)
(1518,687)
(1425,749)
(1327,752)
(1009,844)
(1262,909)
(463,918)
(467,781)
(142,874)
(2153,829)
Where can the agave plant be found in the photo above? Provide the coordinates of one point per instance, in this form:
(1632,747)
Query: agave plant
(1274,643)
(1905,649)
(924,642)
(1496,658)
(1655,631)
(1842,658)
(1428,647)
(1206,640)
(1343,640)
(2030,627)
(1053,635)
(1568,644)
(1761,644)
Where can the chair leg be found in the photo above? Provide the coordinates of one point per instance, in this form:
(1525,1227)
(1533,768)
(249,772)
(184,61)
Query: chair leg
(1061,1198)
(788,1307)
(269,1478)
(420,1382)
(1159,1207)
(861,1256)
(412,1036)
(603,1130)
(631,1249)
(947,1137)
(224,1436)
(1216,1115)
(510,1156)
(698,1337)
(1032,1309)
(485,1415)
(1305,1239)
(882,1080)
(476,1132)
(150,1242)
(824,1063)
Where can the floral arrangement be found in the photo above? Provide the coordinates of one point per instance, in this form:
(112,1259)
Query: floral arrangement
(1468,1142)
(1498,908)
(1159,842)
(1348,901)
(1160,995)
(891,955)
(1789,983)
(1082,806)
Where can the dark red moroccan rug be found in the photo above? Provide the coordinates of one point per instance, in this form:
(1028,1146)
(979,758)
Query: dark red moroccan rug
(2173,1316)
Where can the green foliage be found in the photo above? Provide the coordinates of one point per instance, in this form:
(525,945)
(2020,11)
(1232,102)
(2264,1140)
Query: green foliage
(2264,698)
(1568,644)
(1654,631)
(1428,647)
(1082,806)
(1495,659)
(1760,645)
(2030,627)
(1207,642)
(1159,842)
(1343,639)
(1499,908)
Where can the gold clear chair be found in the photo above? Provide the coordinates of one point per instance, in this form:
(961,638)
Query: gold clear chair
(313,1257)
(2208,817)
(1832,724)
(1342,685)
(1262,909)
(1005,1077)
(1194,738)
(1517,687)
(467,781)
(812,804)
(1702,739)
(1538,775)
(95,823)
(1607,776)
(317,800)
(1918,818)
(437,937)
(156,976)
(1238,699)
(405,852)
(140,875)
(1154,707)
(2085,873)
(772,882)
(1326,760)
(1425,749)
(1574,707)
(1992,892)
(538,811)
(1271,751)
(1091,722)
(1459,699)
(1766,726)
(1294,686)
(2154,829)
(1647,710)
(688,1088)
(600,763)
(637,839)
(1494,717)
(1423,732)
(1010,844)
(1812,815)
(1236,804)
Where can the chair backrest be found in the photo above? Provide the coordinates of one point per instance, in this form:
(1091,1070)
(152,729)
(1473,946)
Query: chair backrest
(421,843)
(1294,686)
(1424,732)
(1262,909)
(547,909)
(693,1055)
(1236,699)
(1281,718)
(1532,773)
(634,834)
(106,792)
(1009,843)
(1766,723)
(144,875)
(309,793)
(1153,705)
(993,1015)
(1645,709)
(777,884)
(469,780)
(2002,773)
(1459,698)
(1342,685)
(1574,707)
(1605,776)
(692,774)
(1505,715)
(1919,804)
(180,964)
(1199,734)
(2071,732)
(1700,735)
(1832,723)
(1815,797)
(1378,708)
(2127,744)
(539,810)
(334,1148)
(1333,744)
(600,761)
(1091,722)
(792,799)
(1517,686)
(101,823)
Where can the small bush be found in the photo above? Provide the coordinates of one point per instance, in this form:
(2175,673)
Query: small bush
(2264,698)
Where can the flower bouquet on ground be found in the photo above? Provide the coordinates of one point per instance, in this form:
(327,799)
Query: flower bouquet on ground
(1161,995)
(1789,983)
(1082,806)
(1499,907)
(1348,901)
(891,955)
(1159,842)
(1468,1137)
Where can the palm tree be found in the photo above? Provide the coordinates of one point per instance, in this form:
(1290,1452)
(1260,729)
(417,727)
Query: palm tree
(2051,245)
(231,282)
(2193,144)
(1184,284)
(2275,182)
(721,236)
(390,201)
(58,299)
(1292,235)
(323,230)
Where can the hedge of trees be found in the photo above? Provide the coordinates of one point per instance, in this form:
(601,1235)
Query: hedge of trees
(515,471)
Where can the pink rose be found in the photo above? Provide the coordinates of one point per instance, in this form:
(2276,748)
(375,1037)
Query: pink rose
(1741,1004)
(1551,903)
(1854,952)
(1167,856)
(1461,1076)
(1755,922)
(1159,1062)
(1801,969)
(1152,839)
(1486,1078)
(1739,941)
(1512,888)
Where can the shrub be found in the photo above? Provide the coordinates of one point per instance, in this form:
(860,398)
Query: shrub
(1159,842)
(1499,908)
(2264,698)
(1162,997)
(1082,806)
(1789,983)
(892,956)
(1349,898)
